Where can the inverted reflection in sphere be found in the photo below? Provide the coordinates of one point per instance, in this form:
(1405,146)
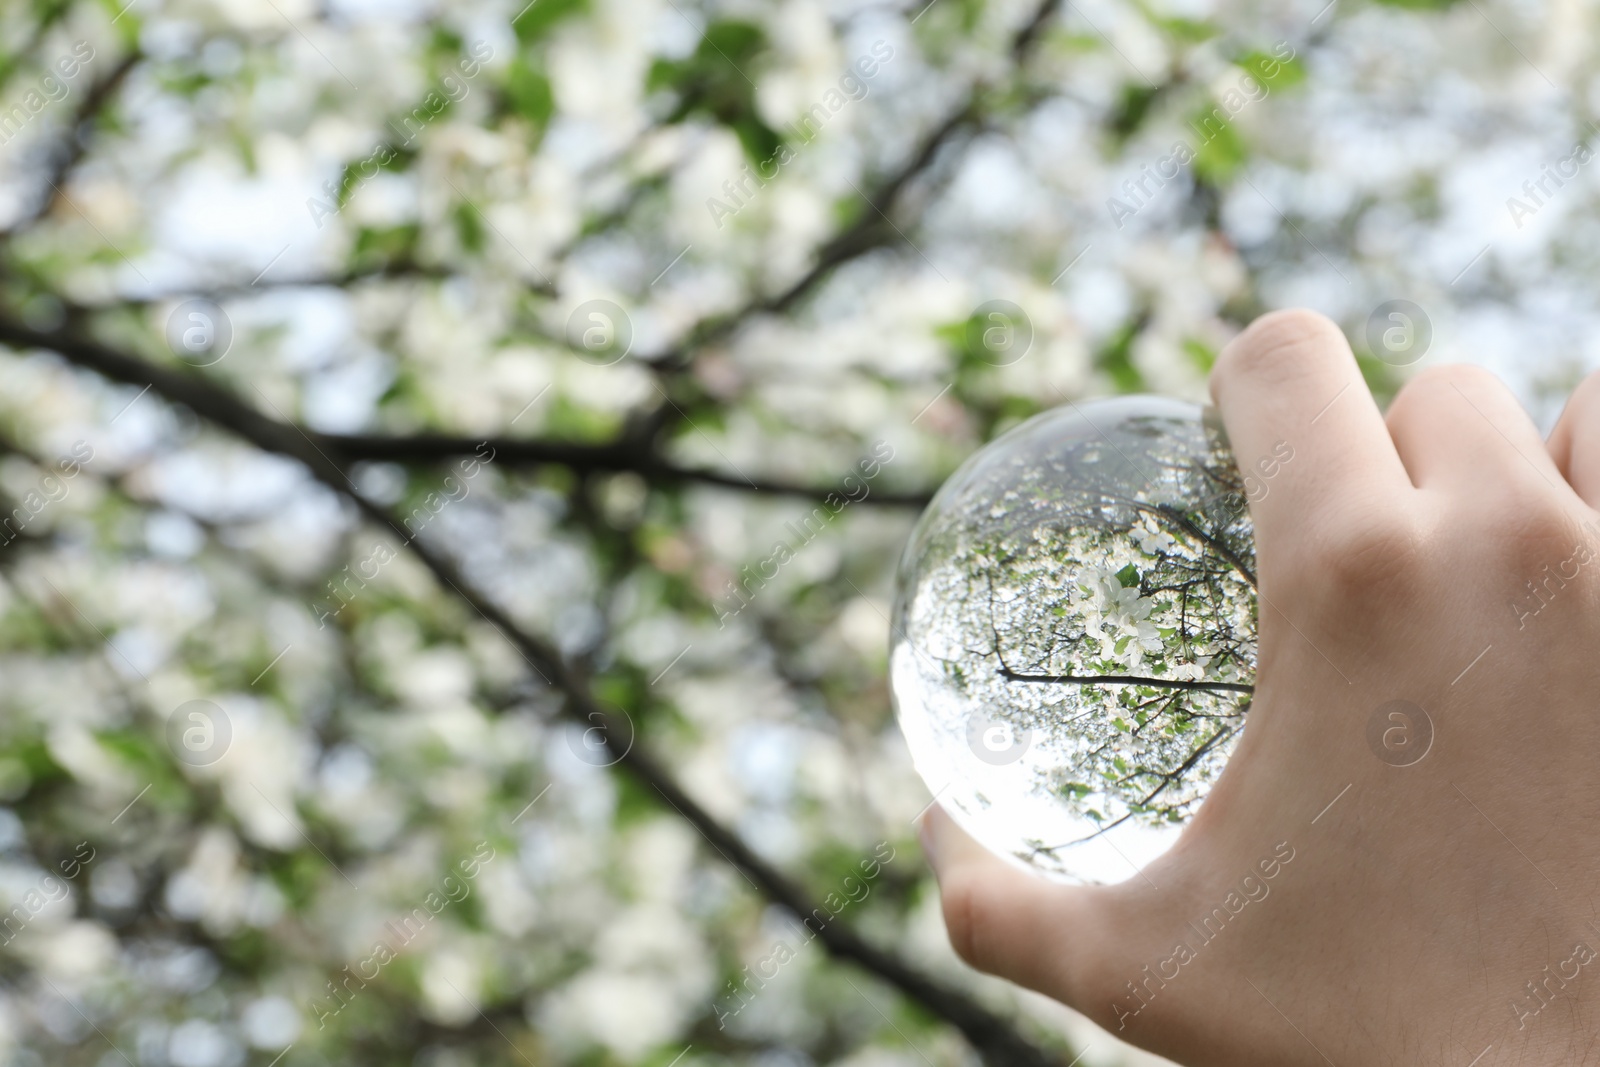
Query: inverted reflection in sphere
(1074,634)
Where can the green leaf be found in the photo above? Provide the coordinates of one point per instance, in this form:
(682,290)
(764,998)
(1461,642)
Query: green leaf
(1276,74)
(387,244)
(445,45)
(717,81)
(538,19)
(298,875)
(972,336)
(1204,356)
(528,91)
(1132,109)
(42,767)
(470,227)
(1188,31)
(1180,29)
(1116,359)
(953,333)
(1128,576)
(1222,152)
(1381,378)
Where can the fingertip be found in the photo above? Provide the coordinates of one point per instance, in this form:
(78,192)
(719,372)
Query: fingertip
(1297,409)
(1275,344)
(1458,426)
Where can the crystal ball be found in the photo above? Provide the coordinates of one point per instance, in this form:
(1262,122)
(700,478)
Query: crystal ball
(1074,633)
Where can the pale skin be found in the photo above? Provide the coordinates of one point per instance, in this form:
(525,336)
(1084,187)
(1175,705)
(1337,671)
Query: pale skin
(1421,901)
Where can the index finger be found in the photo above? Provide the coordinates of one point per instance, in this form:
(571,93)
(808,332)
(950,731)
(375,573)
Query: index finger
(1289,386)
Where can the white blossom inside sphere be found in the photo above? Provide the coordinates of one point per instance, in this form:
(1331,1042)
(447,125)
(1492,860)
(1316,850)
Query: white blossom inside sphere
(1074,636)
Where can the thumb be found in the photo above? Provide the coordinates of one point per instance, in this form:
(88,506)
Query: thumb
(1063,941)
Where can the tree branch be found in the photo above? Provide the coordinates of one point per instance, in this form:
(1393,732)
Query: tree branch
(621,455)
(992,1036)
(872,228)
(220,406)
(1127,679)
(69,151)
(390,270)
(869,230)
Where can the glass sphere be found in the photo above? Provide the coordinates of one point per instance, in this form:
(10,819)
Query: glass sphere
(1074,636)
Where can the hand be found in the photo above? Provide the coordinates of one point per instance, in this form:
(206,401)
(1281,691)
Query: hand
(1433,911)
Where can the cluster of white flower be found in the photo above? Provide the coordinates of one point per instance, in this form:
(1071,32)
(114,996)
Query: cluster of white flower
(1119,618)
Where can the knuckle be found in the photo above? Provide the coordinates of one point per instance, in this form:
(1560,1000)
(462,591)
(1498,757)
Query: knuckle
(1274,347)
(1430,383)
(969,921)
(1366,556)
(1532,533)
(1548,561)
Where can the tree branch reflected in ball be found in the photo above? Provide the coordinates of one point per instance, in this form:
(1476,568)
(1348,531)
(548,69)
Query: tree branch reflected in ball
(1074,637)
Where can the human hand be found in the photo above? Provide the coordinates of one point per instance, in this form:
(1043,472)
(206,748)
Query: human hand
(1336,899)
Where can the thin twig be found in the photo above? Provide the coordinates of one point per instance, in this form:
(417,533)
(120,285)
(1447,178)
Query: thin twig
(69,151)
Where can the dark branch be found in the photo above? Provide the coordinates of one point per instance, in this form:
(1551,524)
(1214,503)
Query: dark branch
(624,455)
(334,450)
(392,270)
(993,1036)
(69,151)
(1183,522)
(1222,734)
(1127,679)
(871,228)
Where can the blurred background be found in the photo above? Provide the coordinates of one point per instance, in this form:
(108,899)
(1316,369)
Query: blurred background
(455,458)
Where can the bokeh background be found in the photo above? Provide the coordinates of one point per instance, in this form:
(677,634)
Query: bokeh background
(393,396)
